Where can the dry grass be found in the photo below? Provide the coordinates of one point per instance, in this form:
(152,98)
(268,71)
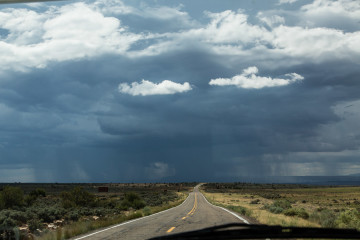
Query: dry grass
(261,215)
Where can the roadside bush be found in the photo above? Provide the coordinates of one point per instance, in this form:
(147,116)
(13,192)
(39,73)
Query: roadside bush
(50,214)
(11,196)
(18,216)
(146,211)
(274,209)
(77,197)
(138,204)
(39,192)
(33,195)
(241,210)
(349,219)
(35,224)
(325,217)
(284,204)
(132,200)
(298,212)
(278,206)
(7,224)
(73,215)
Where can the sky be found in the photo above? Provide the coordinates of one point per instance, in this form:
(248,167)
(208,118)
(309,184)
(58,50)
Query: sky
(157,91)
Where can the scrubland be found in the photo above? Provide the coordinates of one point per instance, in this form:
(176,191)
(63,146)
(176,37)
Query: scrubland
(290,205)
(61,211)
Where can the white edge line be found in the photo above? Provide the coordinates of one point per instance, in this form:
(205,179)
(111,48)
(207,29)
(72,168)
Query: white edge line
(242,219)
(137,219)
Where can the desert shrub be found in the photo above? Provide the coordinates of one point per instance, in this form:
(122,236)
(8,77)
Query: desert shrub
(138,204)
(39,192)
(11,196)
(33,195)
(325,217)
(2,203)
(35,224)
(256,201)
(270,195)
(284,204)
(349,219)
(87,211)
(11,218)
(156,199)
(18,216)
(5,219)
(73,215)
(110,204)
(239,209)
(134,215)
(77,197)
(147,211)
(29,200)
(132,200)
(274,209)
(124,205)
(278,206)
(50,214)
(7,225)
(298,212)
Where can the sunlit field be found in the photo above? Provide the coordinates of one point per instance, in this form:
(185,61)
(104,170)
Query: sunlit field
(290,205)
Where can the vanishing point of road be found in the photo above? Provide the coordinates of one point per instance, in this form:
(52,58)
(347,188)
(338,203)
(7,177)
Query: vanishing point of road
(193,214)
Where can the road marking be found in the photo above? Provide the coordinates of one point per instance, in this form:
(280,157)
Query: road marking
(121,224)
(170,230)
(242,219)
(193,209)
(183,218)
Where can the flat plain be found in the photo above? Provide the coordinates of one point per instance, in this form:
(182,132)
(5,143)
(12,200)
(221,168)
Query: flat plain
(290,204)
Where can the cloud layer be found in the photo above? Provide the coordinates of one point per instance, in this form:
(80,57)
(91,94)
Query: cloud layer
(72,99)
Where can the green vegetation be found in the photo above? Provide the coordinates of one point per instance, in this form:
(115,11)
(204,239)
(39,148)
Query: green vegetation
(290,204)
(58,211)
(11,197)
(132,200)
(279,206)
(77,197)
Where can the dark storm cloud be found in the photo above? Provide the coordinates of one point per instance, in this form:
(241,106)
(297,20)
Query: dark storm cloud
(67,120)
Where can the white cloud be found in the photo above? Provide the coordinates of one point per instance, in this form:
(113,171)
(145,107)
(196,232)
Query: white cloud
(114,7)
(73,31)
(230,27)
(149,88)
(272,20)
(249,79)
(286,1)
(336,14)
(315,42)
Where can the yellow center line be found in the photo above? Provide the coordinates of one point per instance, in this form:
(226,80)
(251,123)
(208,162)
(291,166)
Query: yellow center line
(193,209)
(170,230)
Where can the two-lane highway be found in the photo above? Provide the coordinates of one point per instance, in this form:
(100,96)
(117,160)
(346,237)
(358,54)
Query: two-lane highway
(193,214)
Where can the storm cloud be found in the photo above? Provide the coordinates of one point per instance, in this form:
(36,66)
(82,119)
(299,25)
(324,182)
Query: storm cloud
(104,90)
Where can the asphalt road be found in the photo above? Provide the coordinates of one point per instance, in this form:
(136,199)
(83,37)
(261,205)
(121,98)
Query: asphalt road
(193,214)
